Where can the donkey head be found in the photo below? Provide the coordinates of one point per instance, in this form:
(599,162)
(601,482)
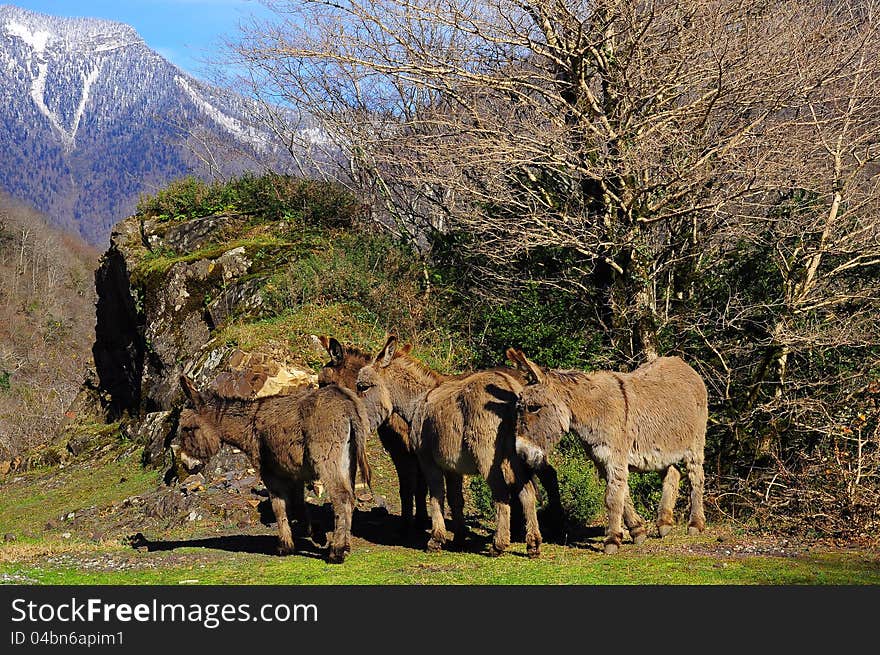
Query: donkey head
(344,364)
(199,435)
(378,382)
(541,414)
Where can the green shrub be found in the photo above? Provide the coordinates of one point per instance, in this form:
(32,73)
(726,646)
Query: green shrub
(187,198)
(5,383)
(270,197)
(580,490)
(481,496)
(543,324)
(645,489)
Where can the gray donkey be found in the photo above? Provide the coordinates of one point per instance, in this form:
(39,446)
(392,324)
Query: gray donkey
(290,440)
(342,369)
(458,426)
(647,420)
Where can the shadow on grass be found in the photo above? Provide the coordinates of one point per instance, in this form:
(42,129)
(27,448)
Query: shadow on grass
(376,526)
(260,544)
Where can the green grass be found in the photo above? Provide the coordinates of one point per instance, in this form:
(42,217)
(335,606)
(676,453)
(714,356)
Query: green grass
(384,565)
(45,557)
(349,322)
(49,491)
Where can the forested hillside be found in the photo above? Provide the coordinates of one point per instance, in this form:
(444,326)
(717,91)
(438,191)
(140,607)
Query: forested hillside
(91,117)
(47,319)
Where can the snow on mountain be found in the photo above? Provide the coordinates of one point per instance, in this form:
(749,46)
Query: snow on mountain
(91,117)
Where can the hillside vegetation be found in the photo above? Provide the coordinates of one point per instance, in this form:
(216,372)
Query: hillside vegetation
(319,265)
(602,182)
(260,264)
(46,326)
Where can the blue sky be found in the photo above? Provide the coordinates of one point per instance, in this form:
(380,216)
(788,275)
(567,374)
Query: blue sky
(185,32)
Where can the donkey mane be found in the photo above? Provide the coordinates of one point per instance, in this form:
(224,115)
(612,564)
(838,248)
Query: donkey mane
(353,351)
(418,369)
(222,405)
(568,376)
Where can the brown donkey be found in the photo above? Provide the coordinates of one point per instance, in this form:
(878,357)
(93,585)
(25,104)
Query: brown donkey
(290,440)
(342,369)
(458,426)
(647,420)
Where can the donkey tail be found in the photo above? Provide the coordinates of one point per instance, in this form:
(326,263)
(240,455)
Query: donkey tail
(360,428)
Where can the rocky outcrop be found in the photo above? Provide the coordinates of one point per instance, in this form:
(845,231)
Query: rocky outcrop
(164,291)
(256,375)
(118,350)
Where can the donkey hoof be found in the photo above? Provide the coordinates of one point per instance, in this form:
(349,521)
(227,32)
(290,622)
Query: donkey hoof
(611,548)
(285,549)
(534,552)
(664,530)
(336,556)
(434,545)
(694,530)
(639,537)
(494,551)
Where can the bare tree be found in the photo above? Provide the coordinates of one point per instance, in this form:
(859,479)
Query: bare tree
(701,175)
(616,132)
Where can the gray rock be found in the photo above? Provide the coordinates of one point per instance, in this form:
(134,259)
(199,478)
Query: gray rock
(155,431)
(194,234)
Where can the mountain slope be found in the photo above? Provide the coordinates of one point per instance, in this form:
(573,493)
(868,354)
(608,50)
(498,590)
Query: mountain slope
(90,117)
(47,325)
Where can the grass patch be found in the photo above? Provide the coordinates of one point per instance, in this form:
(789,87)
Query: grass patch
(159,261)
(404,566)
(47,493)
(348,322)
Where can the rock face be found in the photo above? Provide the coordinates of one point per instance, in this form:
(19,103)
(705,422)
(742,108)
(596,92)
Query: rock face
(158,306)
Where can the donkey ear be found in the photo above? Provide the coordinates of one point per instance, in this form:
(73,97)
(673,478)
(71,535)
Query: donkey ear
(534,374)
(319,343)
(191,392)
(337,352)
(385,355)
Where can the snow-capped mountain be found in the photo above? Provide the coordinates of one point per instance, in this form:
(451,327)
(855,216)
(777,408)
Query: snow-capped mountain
(91,117)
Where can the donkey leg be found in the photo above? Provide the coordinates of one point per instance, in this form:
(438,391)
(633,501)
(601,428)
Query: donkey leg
(335,472)
(634,523)
(285,538)
(501,495)
(554,517)
(406,483)
(454,483)
(434,477)
(297,495)
(421,495)
(528,500)
(696,477)
(615,500)
(342,499)
(665,518)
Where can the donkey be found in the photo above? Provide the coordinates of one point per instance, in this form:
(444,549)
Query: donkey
(342,369)
(647,420)
(290,440)
(458,426)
